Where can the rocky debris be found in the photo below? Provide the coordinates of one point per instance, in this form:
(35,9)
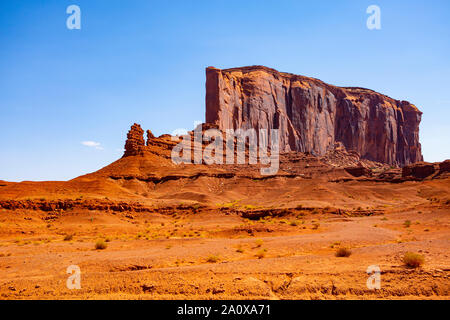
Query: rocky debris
(312,115)
(392,175)
(135,141)
(341,158)
(420,170)
(257,214)
(359,171)
(66,204)
(58,207)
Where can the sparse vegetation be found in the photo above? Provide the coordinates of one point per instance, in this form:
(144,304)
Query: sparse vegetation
(68,237)
(212,259)
(343,253)
(261,253)
(407,223)
(259,243)
(335,244)
(413,260)
(100,245)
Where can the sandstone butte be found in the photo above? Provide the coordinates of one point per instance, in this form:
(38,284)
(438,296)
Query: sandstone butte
(312,116)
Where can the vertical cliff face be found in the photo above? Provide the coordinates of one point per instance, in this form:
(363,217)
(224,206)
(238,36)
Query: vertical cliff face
(312,116)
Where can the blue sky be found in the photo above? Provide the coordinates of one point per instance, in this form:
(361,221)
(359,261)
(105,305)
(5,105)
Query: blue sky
(144,61)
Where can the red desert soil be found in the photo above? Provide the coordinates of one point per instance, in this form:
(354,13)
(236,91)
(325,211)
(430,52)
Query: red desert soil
(225,232)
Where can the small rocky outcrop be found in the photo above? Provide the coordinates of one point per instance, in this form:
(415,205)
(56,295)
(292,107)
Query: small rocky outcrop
(420,170)
(150,137)
(444,166)
(135,141)
(359,171)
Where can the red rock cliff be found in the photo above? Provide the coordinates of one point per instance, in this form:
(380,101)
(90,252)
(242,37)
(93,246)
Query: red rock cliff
(312,115)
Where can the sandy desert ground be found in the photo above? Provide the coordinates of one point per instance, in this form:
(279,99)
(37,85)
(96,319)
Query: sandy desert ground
(268,239)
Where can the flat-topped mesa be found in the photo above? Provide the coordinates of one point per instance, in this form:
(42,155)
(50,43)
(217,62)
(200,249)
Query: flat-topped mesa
(312,116)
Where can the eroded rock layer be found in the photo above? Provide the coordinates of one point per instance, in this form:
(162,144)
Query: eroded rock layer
(312,115)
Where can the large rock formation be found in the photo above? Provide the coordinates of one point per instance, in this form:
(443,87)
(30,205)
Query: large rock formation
(312,115)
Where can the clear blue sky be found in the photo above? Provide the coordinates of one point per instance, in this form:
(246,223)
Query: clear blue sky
(143,61)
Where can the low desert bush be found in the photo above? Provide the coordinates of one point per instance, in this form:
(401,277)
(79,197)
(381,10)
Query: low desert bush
(413,260)
(259,243)
(261,253)
(212,259)
(100,245)
(343,253)
(240,249)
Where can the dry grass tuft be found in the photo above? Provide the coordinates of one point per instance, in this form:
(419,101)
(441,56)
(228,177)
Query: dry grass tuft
(261,254)
(343,253)
(100,245)
(413,260)
(212,259)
